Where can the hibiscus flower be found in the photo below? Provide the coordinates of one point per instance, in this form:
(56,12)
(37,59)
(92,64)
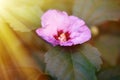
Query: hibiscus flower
(60,29)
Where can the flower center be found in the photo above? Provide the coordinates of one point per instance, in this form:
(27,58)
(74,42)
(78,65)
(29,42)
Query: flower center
(62,36)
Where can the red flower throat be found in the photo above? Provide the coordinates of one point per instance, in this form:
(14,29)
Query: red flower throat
(62,36)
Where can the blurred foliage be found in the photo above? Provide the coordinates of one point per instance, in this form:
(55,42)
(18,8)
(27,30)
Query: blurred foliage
(65,5)
(109,46)
(110,74)
(110,27)
(108,42)
(95,12)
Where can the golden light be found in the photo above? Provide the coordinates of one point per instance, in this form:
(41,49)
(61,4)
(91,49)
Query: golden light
(2,2)
(16,62)
(21,15)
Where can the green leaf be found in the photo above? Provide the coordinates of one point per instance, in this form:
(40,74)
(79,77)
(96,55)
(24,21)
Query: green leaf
(93,55)
(110,74)
(71,63)
(97,11)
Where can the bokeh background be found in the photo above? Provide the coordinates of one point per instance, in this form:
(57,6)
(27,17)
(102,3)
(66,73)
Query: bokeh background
(22,51)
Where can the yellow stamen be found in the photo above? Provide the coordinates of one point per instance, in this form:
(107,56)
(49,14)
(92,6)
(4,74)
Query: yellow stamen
(62,37)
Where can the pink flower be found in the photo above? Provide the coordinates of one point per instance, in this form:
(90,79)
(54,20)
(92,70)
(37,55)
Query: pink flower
(60,29)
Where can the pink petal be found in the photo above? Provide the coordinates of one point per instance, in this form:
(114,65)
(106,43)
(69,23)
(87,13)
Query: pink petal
(67,43)
(75,23)
(54,19)
(81,36)
(80,33)
(44,33)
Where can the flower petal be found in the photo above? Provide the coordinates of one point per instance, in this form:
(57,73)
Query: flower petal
(55,18)
(44,33)
(81,36)
(75,23)
(67,43)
